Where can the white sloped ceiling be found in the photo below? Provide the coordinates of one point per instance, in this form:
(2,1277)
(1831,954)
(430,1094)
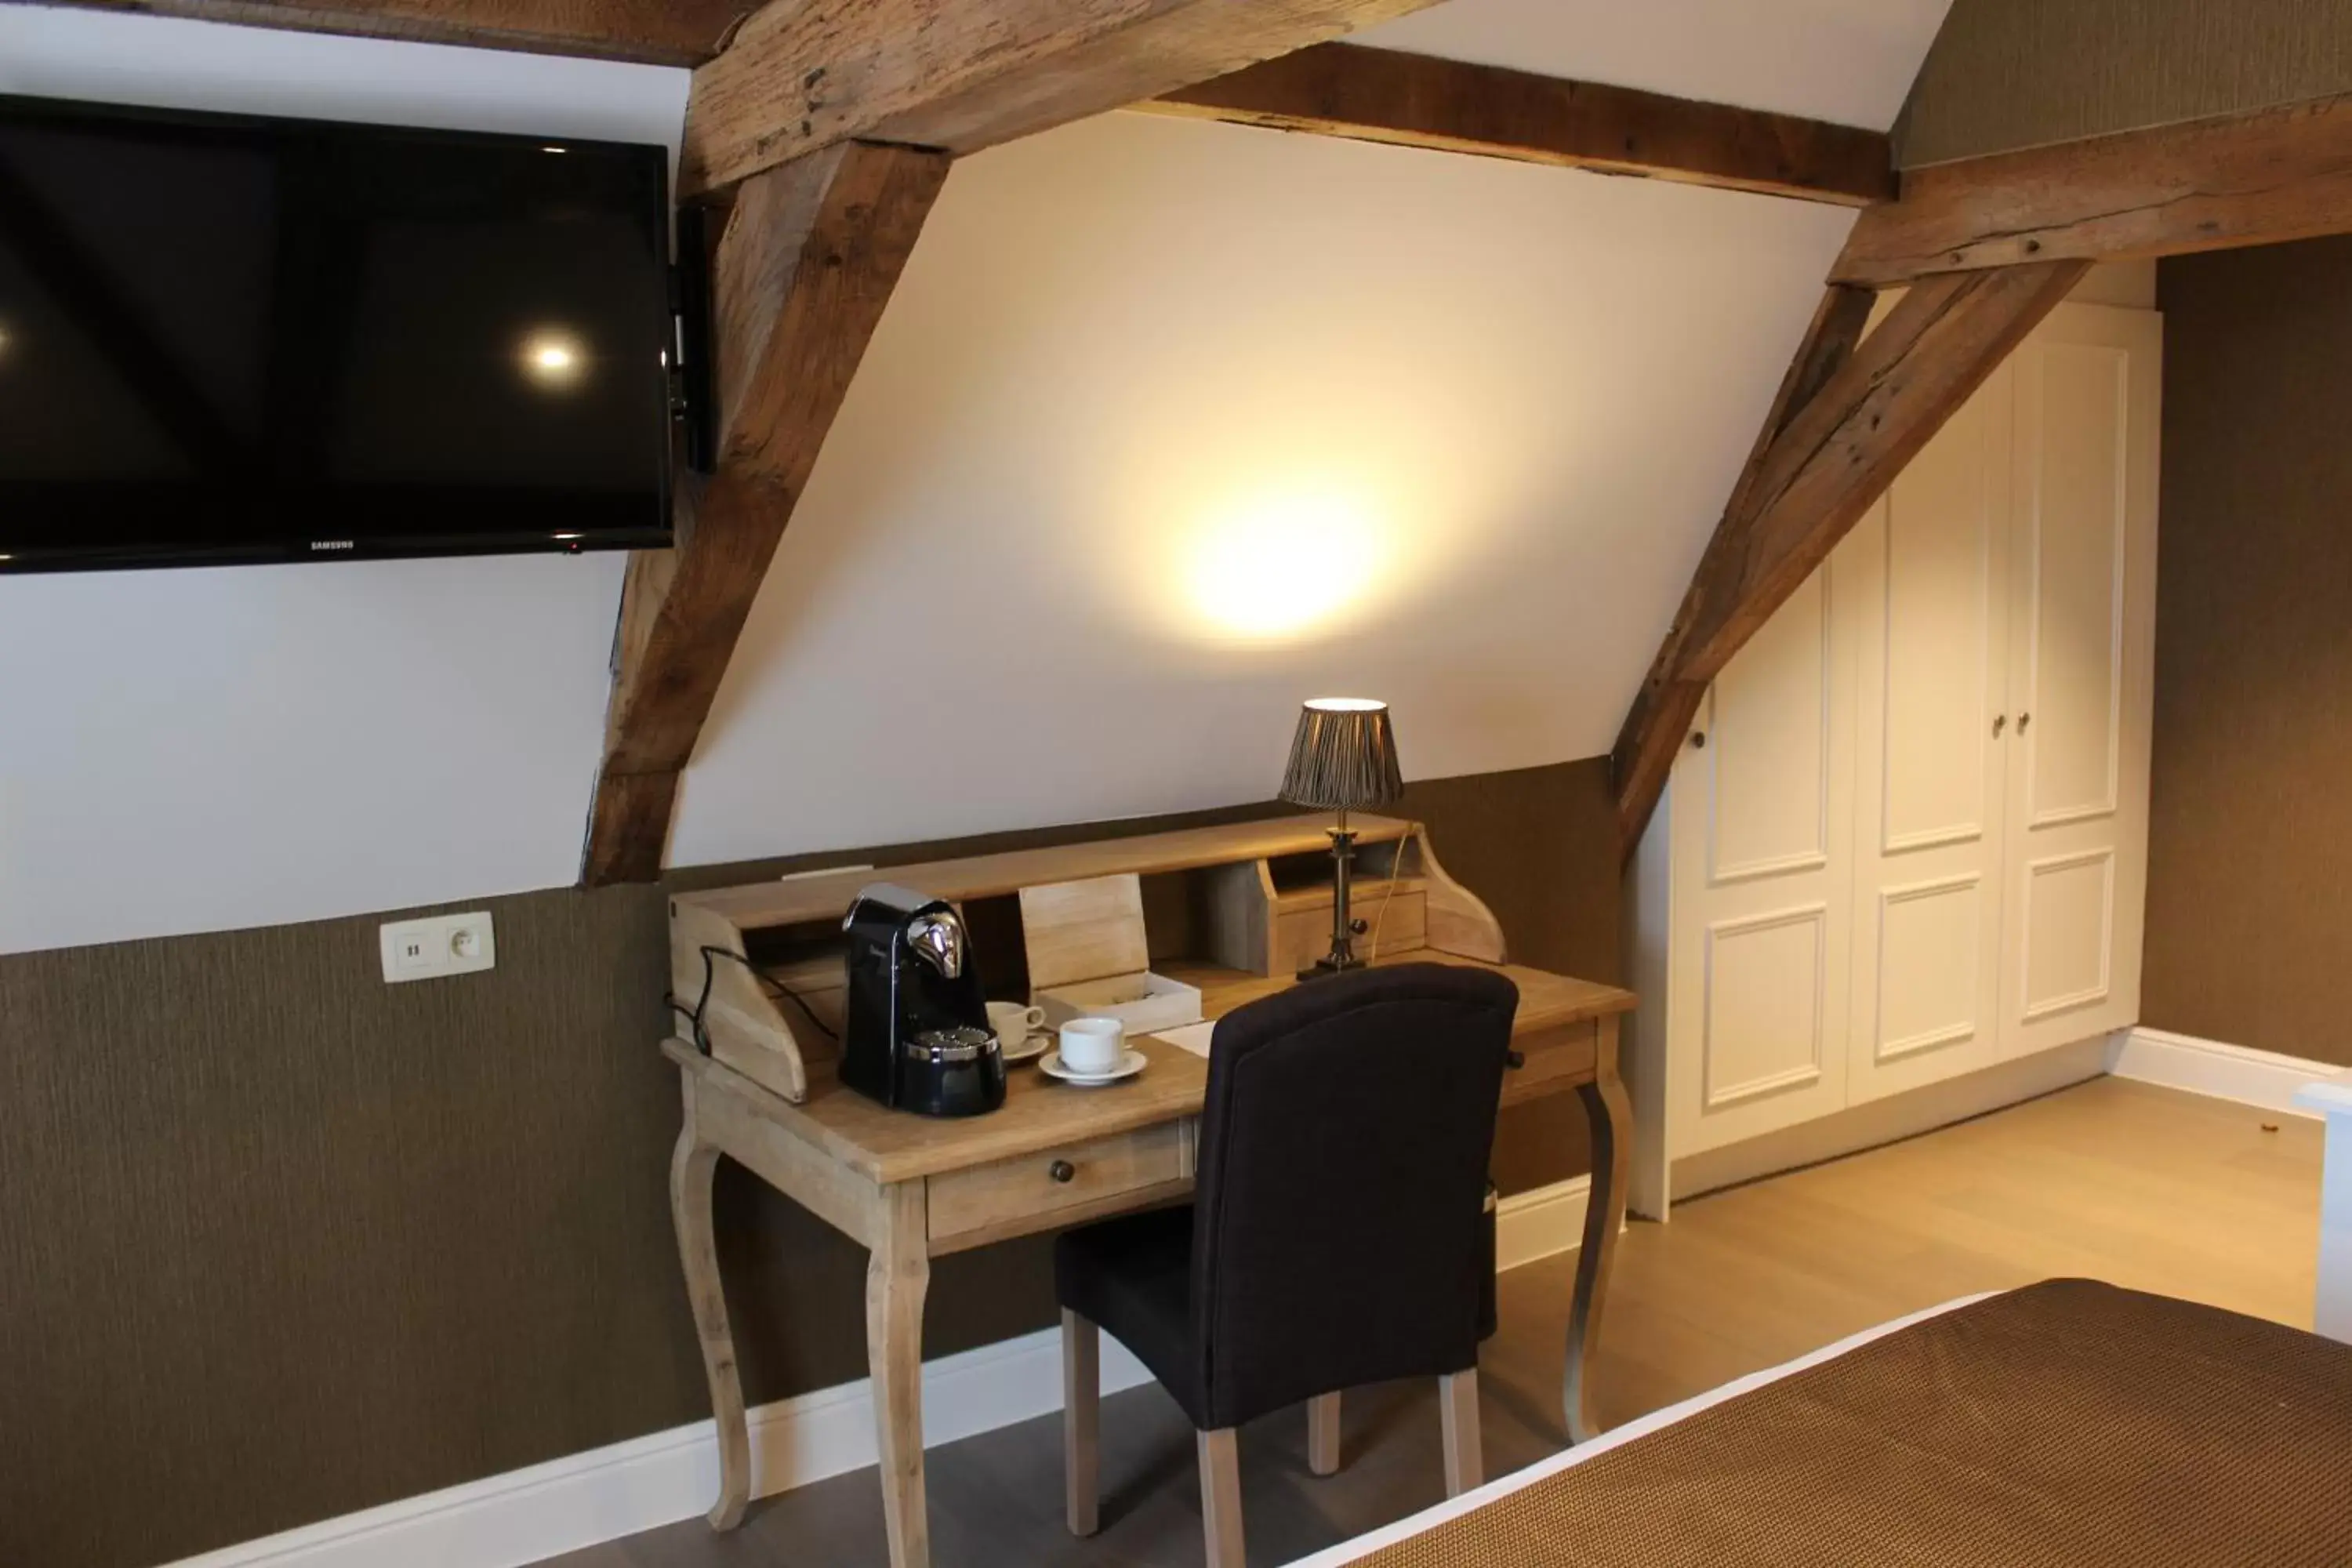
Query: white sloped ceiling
(1170,425)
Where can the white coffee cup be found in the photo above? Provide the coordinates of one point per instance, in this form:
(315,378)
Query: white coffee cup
(1014,1023)
(1092,1044)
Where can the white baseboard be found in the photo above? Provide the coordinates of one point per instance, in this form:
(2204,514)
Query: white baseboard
(2208,1067)
(1540,1222)
(529,1515)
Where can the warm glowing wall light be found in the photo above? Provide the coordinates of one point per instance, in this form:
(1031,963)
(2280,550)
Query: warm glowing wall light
(1284,565)
(553,359)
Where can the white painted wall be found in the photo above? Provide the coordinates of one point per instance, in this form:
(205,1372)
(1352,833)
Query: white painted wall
(1147,379)
(204,750)
(1145,382)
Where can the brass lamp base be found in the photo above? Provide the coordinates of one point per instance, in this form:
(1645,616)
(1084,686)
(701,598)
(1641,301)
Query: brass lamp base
(1344,929)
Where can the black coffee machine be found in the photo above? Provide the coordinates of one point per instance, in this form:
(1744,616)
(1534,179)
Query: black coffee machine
(917,1037)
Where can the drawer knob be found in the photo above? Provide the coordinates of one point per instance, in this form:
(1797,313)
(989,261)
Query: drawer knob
(1062,1171)
(1514,1060)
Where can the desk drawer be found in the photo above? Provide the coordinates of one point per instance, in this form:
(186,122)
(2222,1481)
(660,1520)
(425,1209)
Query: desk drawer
(1554,1060)
(1057,1186)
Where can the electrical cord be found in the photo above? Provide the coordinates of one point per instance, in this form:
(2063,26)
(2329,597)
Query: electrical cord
(1396,870)
(702,1035)
(775,988)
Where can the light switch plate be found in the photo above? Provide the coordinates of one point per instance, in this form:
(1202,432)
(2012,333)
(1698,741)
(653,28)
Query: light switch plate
(439,945)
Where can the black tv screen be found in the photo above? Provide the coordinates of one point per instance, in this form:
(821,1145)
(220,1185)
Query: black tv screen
(228,339)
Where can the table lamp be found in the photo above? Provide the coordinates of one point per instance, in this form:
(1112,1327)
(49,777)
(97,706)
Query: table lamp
(1343,759)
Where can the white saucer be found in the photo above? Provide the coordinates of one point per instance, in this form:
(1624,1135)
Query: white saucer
(1129,1065)
(1028,1050)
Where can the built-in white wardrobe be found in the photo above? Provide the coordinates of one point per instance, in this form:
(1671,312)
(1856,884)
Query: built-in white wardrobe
(1906,837)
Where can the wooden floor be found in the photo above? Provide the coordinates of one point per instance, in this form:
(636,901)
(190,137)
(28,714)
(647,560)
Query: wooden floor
(2142,1186)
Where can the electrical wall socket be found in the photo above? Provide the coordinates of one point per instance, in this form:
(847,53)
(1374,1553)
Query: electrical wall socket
(443,945)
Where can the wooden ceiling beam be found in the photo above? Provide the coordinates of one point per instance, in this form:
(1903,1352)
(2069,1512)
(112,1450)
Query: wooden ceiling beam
(1822,469)
(803,74)
(2261,178)
(655,32)
(808,261)
(1419,100)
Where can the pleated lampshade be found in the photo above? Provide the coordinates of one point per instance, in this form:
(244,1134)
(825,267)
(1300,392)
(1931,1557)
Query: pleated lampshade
(1344,756)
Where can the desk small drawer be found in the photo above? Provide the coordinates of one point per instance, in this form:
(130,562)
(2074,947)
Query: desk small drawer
(1056,1186)
(1401,921)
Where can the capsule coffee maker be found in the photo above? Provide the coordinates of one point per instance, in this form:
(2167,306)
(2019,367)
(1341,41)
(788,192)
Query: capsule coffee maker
(917,1037)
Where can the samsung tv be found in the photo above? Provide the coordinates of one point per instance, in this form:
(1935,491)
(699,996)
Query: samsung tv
(226,338)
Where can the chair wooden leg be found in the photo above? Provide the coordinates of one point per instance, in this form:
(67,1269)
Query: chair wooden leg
(1457,1405)
(1081,1419)
(1323,1433)
(1221,1498)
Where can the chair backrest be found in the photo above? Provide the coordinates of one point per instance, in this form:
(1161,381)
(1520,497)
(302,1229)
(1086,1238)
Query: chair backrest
(1341,1180)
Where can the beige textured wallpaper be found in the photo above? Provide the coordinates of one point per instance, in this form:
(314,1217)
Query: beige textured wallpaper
(2249,836)
(2005,74)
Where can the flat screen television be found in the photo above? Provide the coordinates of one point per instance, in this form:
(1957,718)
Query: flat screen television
(225,339)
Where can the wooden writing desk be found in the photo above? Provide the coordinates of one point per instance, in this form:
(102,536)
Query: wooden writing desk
(911,1188)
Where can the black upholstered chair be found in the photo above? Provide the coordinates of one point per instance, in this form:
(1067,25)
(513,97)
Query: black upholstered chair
(1336,1232)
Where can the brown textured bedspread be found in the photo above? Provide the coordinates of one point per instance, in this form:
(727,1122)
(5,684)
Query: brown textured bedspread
(2068,1423)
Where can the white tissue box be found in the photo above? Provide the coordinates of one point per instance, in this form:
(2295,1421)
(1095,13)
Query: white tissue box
(1144,1001)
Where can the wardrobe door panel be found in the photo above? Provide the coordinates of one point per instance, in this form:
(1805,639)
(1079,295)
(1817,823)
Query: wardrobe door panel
(2081,673)
(1762,889)
(2074,528)
(1943,613)
(1933,592)
(2068,935)
(1768,747)
(1766,1004)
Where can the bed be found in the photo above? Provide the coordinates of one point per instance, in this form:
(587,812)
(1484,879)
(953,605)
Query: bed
(2067,1422)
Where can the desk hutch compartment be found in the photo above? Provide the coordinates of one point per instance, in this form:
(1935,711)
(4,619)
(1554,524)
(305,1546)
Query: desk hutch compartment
(1159,920)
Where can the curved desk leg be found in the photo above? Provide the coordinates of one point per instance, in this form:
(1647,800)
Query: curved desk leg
(1611,1115)
(897,1274)
(691,1168)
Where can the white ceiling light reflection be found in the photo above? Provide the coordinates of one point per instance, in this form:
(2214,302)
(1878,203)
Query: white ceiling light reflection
(1281,567)
(553,359)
